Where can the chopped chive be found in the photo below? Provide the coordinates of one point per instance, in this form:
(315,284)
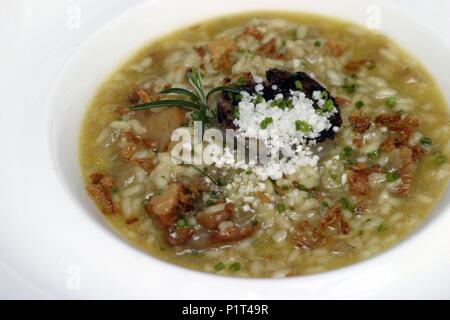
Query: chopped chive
(294,34)
(235,266)
(236,113)
(440,159)
(328,106)
(259,99)
(392,176)
(265,123)
(248,172)
(391,102)
(346,152)
(303,126)
(346,204)
(426,141)
(237,97)
(350,88)
(182,223)
(317,43)
(281,207)
(240,81)
(219,266)
(282,104)
(290,104)
(209,202)
(220,182)
(359,104)
(298,84)
(325,204)
(382,227)
(373,156)
(254,222)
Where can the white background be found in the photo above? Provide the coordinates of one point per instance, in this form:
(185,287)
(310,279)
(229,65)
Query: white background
(37,38)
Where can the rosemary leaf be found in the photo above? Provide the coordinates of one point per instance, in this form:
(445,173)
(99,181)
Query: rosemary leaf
(196,81)
(203,172)
(167,103)
(223,89)
(180,91)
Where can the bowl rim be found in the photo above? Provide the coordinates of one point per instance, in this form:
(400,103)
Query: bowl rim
(387,261)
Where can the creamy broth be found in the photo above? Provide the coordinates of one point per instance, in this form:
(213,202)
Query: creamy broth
(367,74)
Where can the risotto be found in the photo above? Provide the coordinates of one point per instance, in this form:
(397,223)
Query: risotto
(266,145)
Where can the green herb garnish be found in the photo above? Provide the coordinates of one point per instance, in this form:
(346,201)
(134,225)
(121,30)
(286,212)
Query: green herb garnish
(236,113)
(328,106)
(259,99)
(294,34)
(264,124)
(359,104)
(281,207)
(391,102)
(346,204)
(303,126)
(350,88)
(346,152)
(219,266)
(373,156)
(298,84)
(392,176)
(240,81)
(382,227)
(317,43)
(282,104)
(182,223)
(235,266)
(426,141)
(198,98)
(440,158)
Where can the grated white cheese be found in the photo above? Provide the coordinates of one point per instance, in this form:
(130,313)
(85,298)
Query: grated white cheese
(281,134)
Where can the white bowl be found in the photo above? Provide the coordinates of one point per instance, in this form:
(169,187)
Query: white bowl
(75,254)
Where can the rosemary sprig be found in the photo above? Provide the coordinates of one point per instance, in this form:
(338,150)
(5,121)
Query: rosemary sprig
(198,99)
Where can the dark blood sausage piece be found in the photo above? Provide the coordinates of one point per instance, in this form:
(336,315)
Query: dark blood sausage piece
(284,81)
(225,111)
